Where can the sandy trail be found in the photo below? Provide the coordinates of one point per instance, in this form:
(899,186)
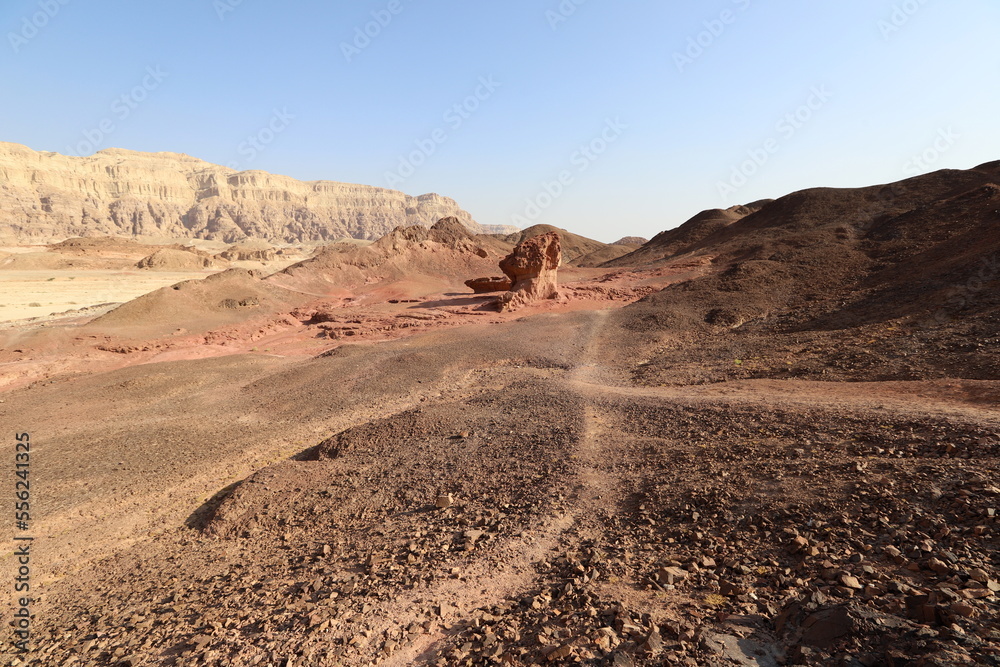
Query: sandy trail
(520,555)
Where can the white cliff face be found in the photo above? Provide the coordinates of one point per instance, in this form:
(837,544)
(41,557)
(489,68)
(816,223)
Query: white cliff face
(45,196)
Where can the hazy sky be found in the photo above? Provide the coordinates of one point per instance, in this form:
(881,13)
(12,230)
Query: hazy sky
(606,118)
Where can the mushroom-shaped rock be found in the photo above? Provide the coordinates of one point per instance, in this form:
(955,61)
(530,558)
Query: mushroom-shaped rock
(532,268)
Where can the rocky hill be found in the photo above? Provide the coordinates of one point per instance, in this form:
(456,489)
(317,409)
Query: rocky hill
(889,282)
(576,250)
(671,242)
(48,196)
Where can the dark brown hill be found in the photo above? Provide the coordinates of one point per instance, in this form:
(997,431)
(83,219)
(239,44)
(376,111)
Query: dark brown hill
(574,245)
(631,240)
(883,282)
(677,241)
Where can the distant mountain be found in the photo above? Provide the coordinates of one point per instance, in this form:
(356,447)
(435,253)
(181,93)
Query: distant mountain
(576,250)
(48,196)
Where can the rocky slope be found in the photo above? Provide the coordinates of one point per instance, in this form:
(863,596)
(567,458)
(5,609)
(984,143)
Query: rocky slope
(891,282)
(673,241)
(47,196)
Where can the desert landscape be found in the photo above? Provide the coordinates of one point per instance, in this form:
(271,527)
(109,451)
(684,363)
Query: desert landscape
(296,424)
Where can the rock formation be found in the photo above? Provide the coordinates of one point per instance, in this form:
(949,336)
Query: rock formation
(48,196)
(532,269)
(573,245)
(443,253)
(487,285)
(631,240)
(248,253)
(174,259)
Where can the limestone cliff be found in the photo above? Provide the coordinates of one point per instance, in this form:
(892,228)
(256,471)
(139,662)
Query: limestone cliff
(46,196)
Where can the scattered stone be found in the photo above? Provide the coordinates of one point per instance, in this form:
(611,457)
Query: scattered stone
(653,643)
(823,628)
(963,609)
(561,652)
(620,659)
(671,575)
(730,589)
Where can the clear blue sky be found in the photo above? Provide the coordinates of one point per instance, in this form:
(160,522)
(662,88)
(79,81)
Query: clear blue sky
(667,124)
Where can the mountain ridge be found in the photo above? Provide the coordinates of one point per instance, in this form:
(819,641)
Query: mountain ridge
(47,195)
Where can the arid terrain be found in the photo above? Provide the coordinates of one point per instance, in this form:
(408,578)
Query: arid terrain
(770,436)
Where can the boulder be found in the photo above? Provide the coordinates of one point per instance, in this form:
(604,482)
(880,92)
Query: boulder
(485,285)
(532,268)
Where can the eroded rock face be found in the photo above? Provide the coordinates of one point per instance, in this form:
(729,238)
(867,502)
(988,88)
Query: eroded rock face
(119,192)
(487,285)
(532,268)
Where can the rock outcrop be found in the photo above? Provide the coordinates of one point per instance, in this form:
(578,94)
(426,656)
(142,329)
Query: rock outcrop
(487,285)
(532,269)
(248,253)
(47,196)
(631,240)
(444,253)
(174,259)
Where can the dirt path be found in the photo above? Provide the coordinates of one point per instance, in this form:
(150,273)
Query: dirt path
(592,487)
(798,395)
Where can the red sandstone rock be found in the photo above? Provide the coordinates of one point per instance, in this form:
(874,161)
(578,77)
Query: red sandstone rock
(532,268)
(494,284)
